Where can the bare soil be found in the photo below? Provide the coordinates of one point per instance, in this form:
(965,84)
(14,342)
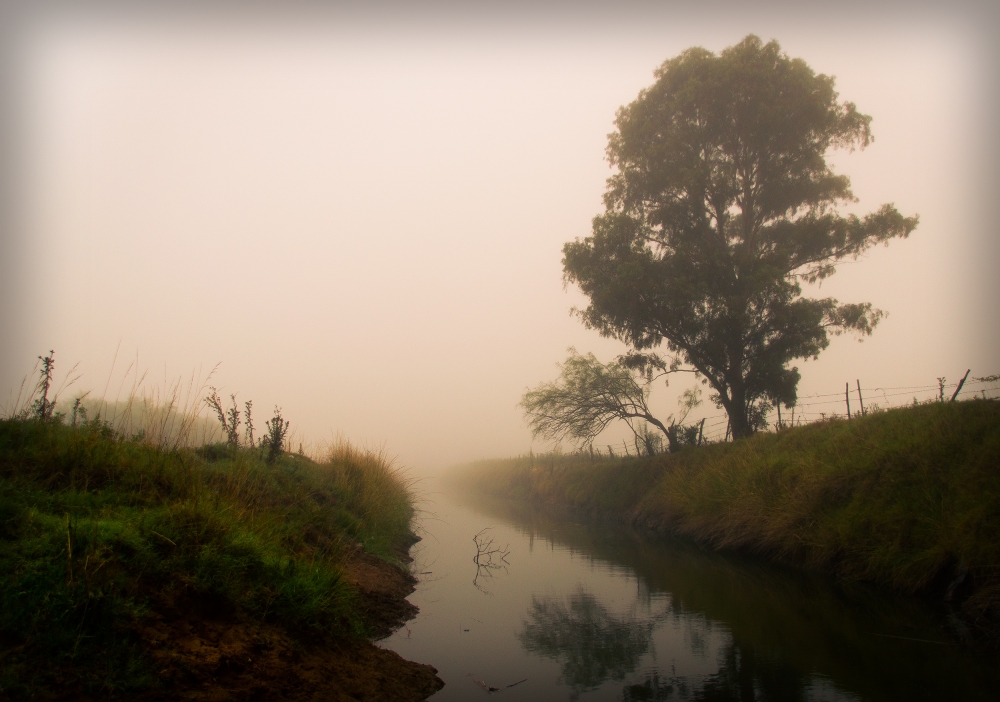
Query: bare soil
(205,651)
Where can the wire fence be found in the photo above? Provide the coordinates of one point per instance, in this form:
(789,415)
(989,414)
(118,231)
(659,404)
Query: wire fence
(855,399)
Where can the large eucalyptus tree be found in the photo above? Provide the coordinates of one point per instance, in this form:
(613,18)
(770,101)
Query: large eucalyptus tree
(721,206)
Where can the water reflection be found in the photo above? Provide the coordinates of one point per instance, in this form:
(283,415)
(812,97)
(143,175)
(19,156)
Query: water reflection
(591,644)
(651,689)
(786,635)
(743,676)
(594,645)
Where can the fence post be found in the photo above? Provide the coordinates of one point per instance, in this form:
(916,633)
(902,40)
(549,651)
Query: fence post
(701,428)
(861,399)
(779,415)
(729,423)
(960,384)
(847,396)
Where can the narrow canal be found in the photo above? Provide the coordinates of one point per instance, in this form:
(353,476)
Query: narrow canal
(590,611)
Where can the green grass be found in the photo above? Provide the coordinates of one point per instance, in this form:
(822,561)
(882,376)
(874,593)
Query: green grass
(907,498)
(95,531)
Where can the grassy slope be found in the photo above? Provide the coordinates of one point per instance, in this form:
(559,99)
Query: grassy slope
(909,498)
(95,532)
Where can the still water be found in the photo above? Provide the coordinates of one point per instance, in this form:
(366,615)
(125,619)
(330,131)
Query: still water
(592,611)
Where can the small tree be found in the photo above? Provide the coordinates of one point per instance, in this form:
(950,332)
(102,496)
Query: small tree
(43,408)
(248,413)
(277,428)
(590,395)
(229,419)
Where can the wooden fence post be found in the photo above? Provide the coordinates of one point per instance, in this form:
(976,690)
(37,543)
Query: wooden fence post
(701,428)
(960,384)
(847,396)
(729,423)
(861,399)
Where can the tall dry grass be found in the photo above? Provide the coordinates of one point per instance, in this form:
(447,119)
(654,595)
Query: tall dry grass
(169,416)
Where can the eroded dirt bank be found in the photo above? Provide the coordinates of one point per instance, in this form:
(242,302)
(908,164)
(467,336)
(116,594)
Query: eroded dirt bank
(205,651)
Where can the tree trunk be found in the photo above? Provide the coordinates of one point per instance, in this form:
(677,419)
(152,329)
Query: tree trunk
(673,443)
(648,441)
(736,407)
(740,424)
(657,423)
(737,410)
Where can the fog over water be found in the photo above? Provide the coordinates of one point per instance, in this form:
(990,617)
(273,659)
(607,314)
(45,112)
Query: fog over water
(361,216)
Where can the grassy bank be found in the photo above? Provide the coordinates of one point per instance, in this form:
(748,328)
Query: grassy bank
(99,534)
(908,498)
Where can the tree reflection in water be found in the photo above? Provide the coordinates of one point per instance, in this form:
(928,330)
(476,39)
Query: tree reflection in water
(784,635)
(592,644)
(744,676)
(654,689)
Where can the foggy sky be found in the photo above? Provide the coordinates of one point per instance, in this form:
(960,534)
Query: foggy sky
(361,216)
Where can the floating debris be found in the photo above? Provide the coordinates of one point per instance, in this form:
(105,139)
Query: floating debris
(490,689)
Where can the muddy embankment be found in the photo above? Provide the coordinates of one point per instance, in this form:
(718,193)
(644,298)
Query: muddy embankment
(203,650)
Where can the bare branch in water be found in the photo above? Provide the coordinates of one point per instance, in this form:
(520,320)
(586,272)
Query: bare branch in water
(488,558)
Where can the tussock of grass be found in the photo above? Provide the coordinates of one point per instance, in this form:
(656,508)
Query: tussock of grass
(95,531)
(908,498)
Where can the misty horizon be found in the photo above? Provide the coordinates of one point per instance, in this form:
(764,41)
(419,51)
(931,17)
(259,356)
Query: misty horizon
(363,223)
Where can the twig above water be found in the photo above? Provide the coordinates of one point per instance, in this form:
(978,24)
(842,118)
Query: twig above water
(488,558)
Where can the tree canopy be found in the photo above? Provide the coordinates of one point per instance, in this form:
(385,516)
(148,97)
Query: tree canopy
(721,207)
